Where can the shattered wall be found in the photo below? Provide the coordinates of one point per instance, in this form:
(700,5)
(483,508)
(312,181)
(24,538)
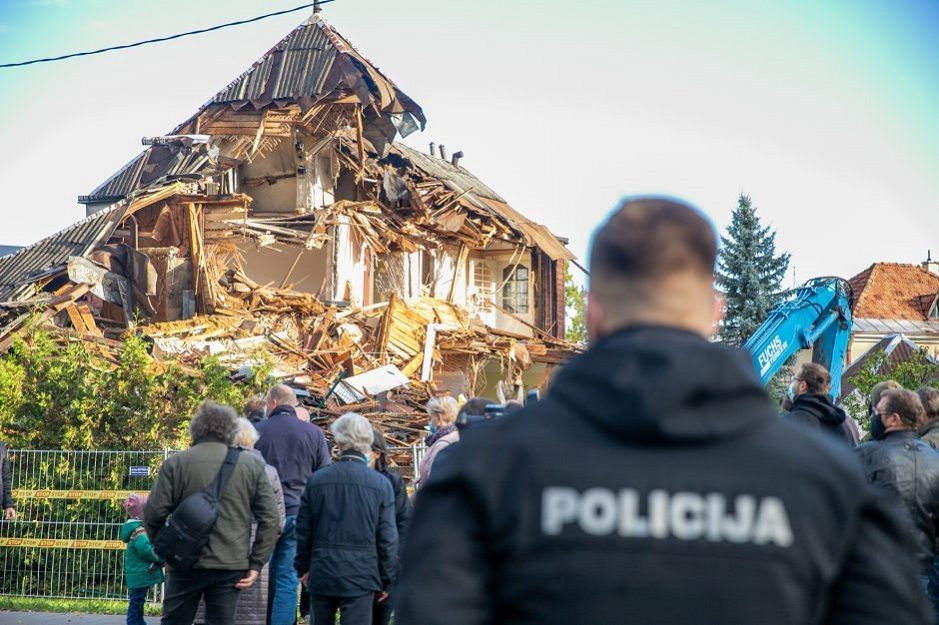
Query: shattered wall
(270,265)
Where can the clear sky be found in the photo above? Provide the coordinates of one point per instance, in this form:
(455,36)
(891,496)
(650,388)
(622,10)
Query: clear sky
(825,112)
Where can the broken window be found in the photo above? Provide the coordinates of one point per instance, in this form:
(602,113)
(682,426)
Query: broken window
(515,289)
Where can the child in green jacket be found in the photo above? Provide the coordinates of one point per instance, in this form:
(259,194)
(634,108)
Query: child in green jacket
(142,567)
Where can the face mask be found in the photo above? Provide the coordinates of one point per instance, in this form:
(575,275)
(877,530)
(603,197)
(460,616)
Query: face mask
(878,429)
(432,428)
(791,394)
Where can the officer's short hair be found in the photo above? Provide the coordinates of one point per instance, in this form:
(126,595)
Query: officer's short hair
(929,397)
(648,239)
(816,378)
(905,403)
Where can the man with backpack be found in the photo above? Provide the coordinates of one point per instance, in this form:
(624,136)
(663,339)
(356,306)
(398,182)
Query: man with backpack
(223,565)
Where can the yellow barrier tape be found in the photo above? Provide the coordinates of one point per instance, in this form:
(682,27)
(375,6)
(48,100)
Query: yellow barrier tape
(71,494)
(61,543)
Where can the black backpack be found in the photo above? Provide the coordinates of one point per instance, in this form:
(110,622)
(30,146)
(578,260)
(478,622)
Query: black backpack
(180,541)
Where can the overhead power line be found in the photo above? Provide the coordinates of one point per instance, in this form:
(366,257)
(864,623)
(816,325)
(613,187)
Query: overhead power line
(169,38)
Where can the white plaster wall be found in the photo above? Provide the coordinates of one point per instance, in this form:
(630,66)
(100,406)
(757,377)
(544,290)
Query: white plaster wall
(351,264)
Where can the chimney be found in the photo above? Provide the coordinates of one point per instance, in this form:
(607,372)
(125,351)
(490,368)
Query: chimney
(443,151)
(930,265)
(455,159)
(316,7)
(433,151)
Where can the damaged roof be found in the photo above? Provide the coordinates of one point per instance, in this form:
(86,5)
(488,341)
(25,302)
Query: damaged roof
(20,270)
(472,189)
(312,63)
(47,257)
(155,166)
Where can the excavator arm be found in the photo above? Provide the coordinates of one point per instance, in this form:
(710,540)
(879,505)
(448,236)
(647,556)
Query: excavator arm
(816,315)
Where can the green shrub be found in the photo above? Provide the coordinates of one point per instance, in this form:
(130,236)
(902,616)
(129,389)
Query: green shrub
(57,393)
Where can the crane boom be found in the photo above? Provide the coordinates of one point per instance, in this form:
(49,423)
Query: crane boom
(817,315)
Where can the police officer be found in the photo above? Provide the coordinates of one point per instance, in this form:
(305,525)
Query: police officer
(654,483)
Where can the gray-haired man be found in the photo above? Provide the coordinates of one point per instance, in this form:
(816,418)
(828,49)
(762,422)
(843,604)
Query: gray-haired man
(348,513)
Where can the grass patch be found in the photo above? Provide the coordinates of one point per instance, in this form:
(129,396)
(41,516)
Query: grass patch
(82,606)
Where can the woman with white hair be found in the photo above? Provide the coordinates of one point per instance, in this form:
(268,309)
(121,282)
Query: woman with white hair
(442,412)
(348,512)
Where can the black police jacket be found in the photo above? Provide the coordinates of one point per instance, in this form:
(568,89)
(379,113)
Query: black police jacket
(906,471)
(654,484)
(346,535)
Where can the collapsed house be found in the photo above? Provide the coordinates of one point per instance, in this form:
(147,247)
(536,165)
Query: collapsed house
(284,218)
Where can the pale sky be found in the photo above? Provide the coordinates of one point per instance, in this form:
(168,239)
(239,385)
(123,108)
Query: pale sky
(825,112)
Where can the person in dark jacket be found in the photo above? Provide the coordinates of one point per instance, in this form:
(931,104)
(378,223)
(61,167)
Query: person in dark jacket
(296,449)
(654,483)
(905,470)
(812,407)
(929,427)
(347,542)
(381,610)
(6,484)
(230,561)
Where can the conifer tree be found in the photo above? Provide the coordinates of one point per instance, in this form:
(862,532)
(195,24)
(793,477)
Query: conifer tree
(749,273)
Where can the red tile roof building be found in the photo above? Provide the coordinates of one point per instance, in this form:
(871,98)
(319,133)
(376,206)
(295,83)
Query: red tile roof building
(895,298)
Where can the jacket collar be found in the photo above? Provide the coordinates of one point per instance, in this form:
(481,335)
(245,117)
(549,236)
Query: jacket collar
(898,435)
(209,438)
(351,455)
(283,409)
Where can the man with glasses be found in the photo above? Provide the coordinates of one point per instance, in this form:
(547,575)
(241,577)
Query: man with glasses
(905,469)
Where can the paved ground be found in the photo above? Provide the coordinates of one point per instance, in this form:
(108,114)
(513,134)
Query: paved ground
(47,618)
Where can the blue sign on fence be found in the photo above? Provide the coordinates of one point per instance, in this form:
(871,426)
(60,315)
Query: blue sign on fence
(140,471)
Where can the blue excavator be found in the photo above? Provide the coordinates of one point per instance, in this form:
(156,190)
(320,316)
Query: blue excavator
(815,315)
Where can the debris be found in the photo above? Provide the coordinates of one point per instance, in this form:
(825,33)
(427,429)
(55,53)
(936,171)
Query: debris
(281,222)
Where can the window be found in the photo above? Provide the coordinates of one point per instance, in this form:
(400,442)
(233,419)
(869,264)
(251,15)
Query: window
(515,289)
(482,285)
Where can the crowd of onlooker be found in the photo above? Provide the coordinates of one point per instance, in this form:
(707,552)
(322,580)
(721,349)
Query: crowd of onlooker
(292,513)
(655,483)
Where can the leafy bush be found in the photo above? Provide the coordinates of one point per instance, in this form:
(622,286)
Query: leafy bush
(61,394)
(918,371)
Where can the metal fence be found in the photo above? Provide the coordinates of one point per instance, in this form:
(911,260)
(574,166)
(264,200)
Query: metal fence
(65,542)
(407,455)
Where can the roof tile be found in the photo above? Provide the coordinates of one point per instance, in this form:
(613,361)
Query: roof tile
(894,291)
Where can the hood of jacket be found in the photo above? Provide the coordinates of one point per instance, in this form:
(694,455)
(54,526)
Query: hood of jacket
(128,528)
(664,384)
(820,407)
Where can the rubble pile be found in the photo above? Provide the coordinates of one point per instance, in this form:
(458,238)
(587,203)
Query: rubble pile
(282,225)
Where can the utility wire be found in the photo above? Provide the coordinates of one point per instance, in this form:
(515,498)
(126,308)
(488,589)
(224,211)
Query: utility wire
(171,37)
